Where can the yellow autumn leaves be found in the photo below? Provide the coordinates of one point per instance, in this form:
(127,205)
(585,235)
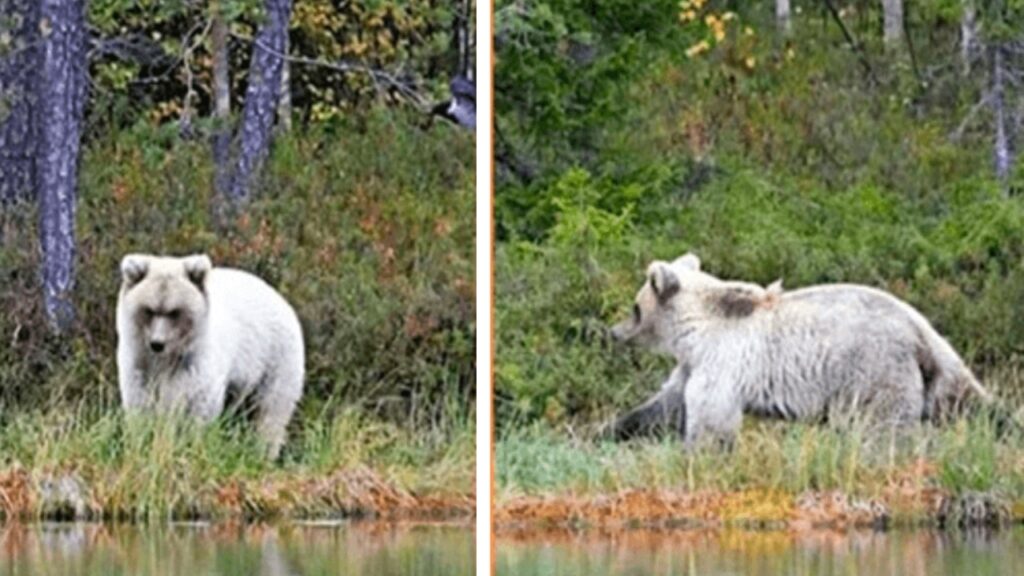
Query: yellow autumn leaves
(716,26)
(358,30)
(698,49)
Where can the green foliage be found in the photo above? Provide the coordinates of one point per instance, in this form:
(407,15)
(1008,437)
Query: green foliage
(367,232)
(798,168)
(562,66)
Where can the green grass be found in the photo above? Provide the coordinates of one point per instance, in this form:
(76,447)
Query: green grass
(146,469)
(774,461)
(772,466)
(792,458)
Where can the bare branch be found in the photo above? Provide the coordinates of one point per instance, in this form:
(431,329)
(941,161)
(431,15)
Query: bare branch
(188,49)
(851,41)
(378,76)
(130,47)
(984,101)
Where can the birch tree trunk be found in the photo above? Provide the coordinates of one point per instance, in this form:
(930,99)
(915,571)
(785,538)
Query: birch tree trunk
(261,98)
(783,19)
(465,34)
(18,25)
(1002,156)
(60,92)
(968,35)
(892,15)
(284,106)
(221,141)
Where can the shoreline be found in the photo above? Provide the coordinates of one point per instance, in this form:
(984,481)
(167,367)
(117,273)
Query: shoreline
(347,494)
(755,509)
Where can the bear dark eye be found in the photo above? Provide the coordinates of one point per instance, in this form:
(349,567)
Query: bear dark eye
(147,313)
(174,314)
(636,313)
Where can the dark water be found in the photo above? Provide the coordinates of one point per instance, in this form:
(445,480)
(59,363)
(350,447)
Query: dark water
(907,553)
(358,548)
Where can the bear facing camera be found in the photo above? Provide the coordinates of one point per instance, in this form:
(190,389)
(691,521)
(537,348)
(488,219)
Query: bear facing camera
(189,334)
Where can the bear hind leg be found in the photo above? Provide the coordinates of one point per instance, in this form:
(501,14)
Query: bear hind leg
(275,404)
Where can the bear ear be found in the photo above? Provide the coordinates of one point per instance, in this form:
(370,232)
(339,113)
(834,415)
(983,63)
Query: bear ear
(775,288)
(688,261)
(663,280)
(197,267)
(134,268)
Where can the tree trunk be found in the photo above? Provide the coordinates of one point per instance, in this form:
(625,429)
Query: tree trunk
(1001,152)
(892,14)
(221,101)
(464,31)
(261,97)
(783,20)
(18,26)
(60,92)
(284,106)
(968,35)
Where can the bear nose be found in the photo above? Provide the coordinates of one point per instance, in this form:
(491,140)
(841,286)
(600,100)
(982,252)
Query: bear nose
(157,347)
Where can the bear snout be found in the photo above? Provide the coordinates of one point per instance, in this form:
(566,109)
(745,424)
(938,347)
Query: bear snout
(621,332)
(156,346)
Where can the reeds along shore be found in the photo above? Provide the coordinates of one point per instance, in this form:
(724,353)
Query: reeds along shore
(778,475)
(110,468)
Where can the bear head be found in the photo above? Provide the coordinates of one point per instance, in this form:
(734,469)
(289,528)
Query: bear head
(668,284)
(165,300)
(677,300)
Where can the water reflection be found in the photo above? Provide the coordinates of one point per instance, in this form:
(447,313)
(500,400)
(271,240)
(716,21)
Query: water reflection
(229,549)
(909,553)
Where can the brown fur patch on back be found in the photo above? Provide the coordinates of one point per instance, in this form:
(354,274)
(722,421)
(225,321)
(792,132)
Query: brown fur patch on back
(736,303)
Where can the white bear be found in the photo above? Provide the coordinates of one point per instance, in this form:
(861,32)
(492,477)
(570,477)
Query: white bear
(188,335)
(809,354)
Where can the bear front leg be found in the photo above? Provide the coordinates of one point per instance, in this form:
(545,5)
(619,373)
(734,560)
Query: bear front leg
(713,409)
(134,396)
(663,412)
(206,393)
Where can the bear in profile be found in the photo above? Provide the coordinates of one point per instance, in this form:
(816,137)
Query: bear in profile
(190,335)
(809,354)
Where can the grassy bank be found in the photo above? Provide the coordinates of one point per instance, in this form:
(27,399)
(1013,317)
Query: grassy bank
(778,475)
(365,225)
(76,465)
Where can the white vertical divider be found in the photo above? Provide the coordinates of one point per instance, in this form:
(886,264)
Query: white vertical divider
(484,244)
